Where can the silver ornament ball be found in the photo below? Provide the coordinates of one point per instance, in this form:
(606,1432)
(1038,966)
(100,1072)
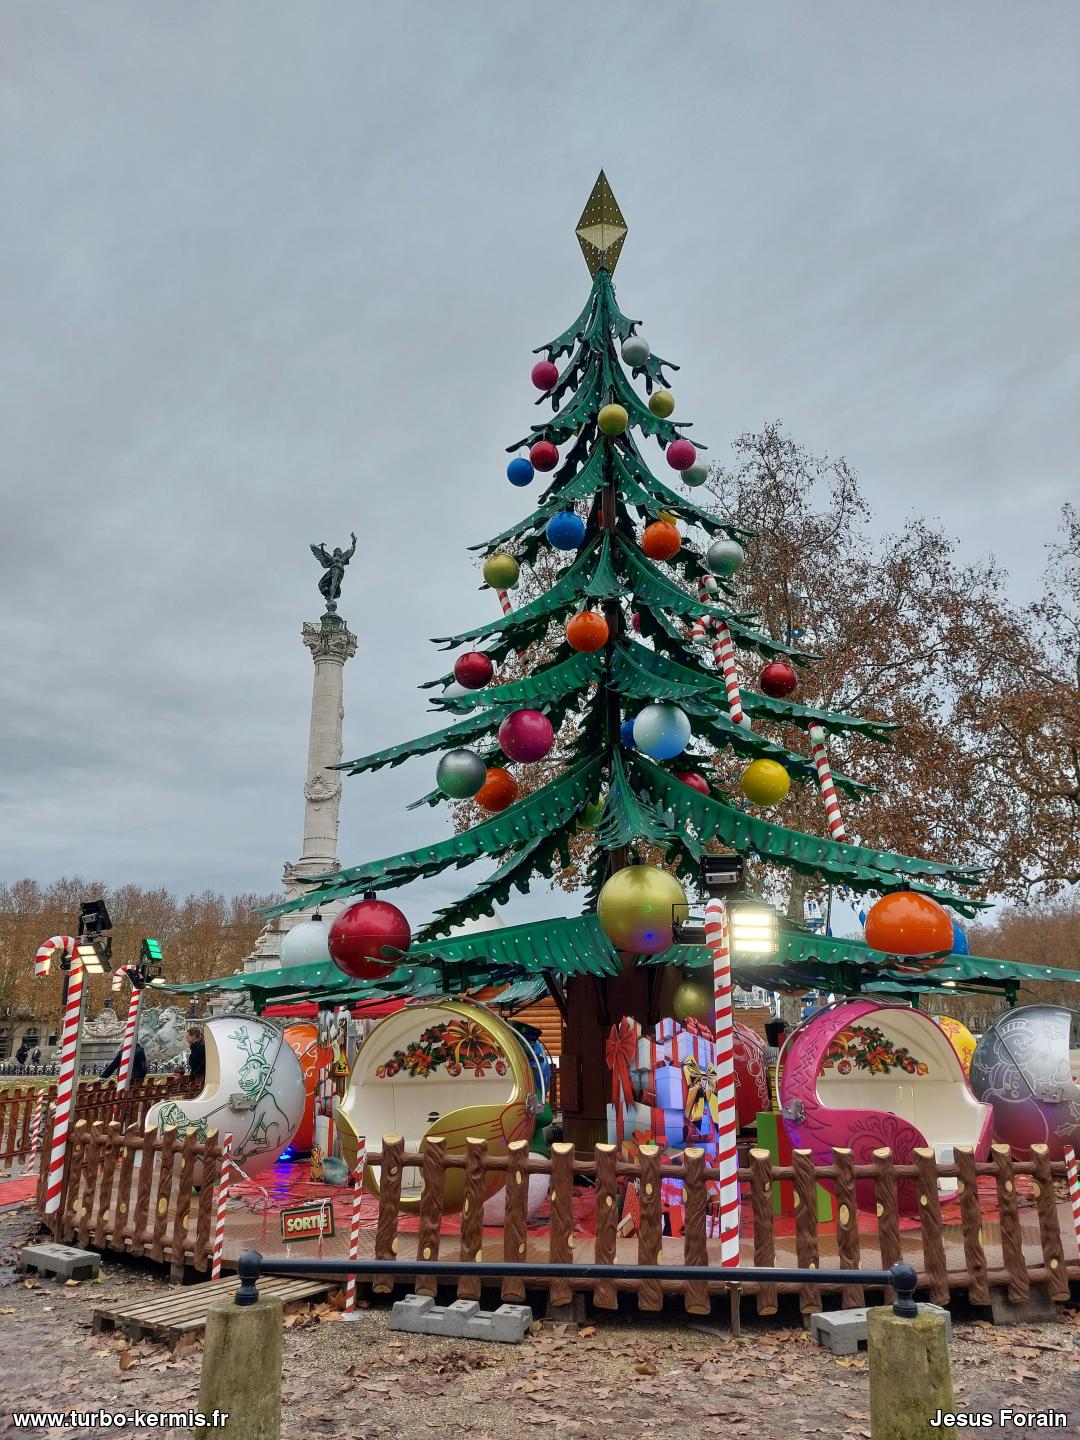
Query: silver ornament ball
(695,475)
(725,557)
(635,350)
(460,774)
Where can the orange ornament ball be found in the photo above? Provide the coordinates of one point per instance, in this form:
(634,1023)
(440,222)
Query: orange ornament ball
(587,631)
(907,923)
(498,792)
(661,540)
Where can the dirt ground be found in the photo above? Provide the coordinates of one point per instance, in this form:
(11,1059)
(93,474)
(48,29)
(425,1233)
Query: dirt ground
(665,1379)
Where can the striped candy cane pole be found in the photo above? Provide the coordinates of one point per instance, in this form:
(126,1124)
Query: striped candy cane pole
(65,1086)
(701,624)
(48,948)
(36,1123)
(825,782)
(504,601)
(1074,1190)
(219,1214)
(123,1076)
(727,1160)
(354,1227)
(724,656)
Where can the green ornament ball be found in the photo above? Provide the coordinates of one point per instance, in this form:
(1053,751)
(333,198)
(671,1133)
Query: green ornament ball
(501,572)
(593,813)
(692,1000)
(613,420)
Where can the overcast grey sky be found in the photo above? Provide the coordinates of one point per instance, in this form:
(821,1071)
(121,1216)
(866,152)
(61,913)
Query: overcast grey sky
(271,272)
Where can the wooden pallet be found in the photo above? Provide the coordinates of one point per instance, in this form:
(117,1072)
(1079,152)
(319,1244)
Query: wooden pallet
(184,1309)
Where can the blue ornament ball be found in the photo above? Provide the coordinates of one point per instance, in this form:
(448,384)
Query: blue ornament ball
(565,530)
(661,731)
(626,734)
(960,944)
(520,471)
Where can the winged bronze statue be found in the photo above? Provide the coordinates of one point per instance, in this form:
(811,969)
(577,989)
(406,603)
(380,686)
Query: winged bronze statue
(333,571)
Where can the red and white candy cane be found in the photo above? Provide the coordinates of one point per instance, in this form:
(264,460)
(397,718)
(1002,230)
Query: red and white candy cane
(701,624)
(504,601)
(47,949)
(354,1225)
(219,1212)
(37,1122)
(724,657)
(727,1159)
(127,1052)
(820,753)
(67,1078)
(1074,1189)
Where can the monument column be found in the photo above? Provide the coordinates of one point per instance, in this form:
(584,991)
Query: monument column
(331,643)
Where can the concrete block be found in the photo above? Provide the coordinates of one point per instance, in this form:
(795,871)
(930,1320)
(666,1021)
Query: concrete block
(910,1374)
(843,1331)
(241,1369)
(840,1331)
(63,1261)
(419,1315)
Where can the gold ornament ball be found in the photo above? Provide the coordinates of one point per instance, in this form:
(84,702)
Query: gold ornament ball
(613,420)
(635,909)
(662,403)
(692,1000)
(765,782)
(501,572)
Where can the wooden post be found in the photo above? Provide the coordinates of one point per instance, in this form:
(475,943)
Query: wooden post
(1012,1237)
(166,1162)
(561,1240)
(43,1161)
(761,1183)
(516,1219)
(386,1241)
(607,1220)
(971,1223)
(122,1228)
(178,1245)
(91,1176)
(472,1215)
(106,1212)
(695,1245)
(650,1295)
(1049,1233)
(852,1297)
(806,1247)
(432,1183)
(933,1241)
(149,1146)
(888,1213)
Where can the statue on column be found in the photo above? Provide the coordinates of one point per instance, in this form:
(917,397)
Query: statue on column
(334,572)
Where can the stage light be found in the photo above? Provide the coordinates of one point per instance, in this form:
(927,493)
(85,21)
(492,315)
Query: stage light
(89,958)
(754,931)
(151,951)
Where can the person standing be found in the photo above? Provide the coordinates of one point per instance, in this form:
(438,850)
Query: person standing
(196,1055)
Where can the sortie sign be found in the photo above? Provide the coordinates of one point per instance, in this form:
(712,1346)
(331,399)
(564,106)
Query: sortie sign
(307,1222)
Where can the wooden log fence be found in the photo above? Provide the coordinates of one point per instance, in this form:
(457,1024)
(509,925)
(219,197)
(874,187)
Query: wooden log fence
(145,1194)
(94,1100)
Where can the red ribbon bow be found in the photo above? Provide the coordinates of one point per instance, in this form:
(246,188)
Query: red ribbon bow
(620,1051)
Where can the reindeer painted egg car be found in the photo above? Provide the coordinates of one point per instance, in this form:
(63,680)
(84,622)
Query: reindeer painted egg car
(864,1075)
(453,1069)
(1021,1067)
(254,1090)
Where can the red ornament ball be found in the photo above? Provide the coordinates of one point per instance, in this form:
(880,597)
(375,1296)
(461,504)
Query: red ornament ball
(526,736)
(473,670)
(694,780)
(907,923)
(498,792)
(661,540)
(778,679)
(681,454)
(635,622)
(544,455)
(587,632)
(359,935)
(544,374)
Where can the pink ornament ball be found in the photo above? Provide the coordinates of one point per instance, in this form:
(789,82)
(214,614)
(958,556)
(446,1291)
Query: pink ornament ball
(526,736)
(544,455)
(635,623)
(545,375)
(681,454)
(473,670)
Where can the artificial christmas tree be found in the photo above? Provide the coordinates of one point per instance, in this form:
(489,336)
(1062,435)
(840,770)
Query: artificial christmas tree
(636,709)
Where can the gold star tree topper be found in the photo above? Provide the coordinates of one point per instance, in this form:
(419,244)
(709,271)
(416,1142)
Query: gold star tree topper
(601,229)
